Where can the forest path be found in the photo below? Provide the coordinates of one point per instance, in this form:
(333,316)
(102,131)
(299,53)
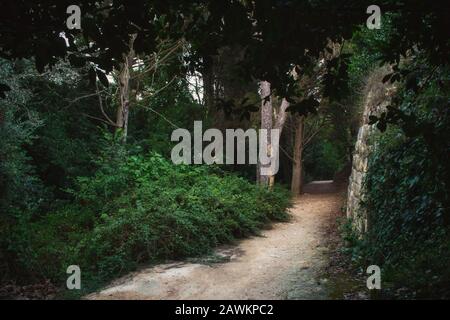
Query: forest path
(285,262)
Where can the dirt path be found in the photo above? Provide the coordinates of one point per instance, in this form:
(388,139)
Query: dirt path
(285,263)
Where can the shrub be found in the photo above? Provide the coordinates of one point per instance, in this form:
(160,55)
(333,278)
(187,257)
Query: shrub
(143,209)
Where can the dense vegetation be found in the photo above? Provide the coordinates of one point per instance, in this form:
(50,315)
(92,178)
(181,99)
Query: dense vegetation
(72,193)
(143,209)
(86,118)
(406,186)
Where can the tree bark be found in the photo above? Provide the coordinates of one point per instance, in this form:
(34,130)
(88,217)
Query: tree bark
(297,166)
(279,124)
(266,123)
(208,88)
(123,109)
(282,115)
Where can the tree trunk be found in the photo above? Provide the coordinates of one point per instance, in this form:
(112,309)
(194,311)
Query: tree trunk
(123,109)
(208,88)
(279,124)
(266,123)
(282,115)
(296,183)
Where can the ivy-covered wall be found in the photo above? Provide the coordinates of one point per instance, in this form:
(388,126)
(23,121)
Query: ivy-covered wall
(398,195)
(377,96)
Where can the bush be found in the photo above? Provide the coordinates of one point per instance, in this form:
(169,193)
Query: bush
(144,209)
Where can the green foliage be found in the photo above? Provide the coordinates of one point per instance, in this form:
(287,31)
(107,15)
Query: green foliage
(140,209)
(47,109)
(367,47)
(21,191)
(272,45)
(45,142)
(330,151)
(17,128)
(73,193)
(58,207)
(407,198)
(154,118)
(324,158)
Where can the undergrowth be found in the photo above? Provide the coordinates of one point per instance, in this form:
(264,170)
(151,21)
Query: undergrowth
(141,209)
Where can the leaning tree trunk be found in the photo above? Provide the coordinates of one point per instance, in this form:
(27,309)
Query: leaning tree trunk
(123,109)
(296,183)
(266,123)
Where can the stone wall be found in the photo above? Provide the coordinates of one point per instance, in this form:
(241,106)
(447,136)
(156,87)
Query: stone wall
(376,97)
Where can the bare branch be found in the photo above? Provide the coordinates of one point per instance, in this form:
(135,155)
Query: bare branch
(99,119)
(101,107)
